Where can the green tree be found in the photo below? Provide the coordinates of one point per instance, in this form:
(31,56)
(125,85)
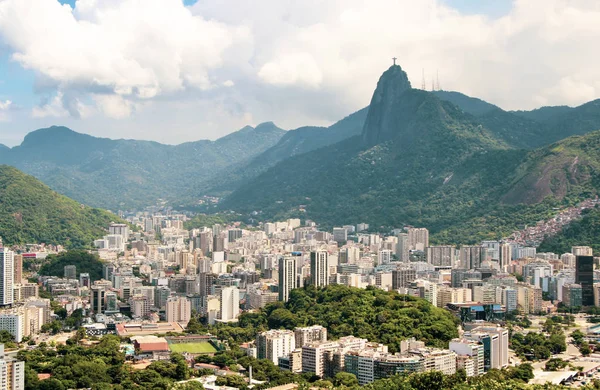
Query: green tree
(585,349)
(51,384)
(182,370)
(345,379)
(555,364)
(190,385)
(232,381)
(6,337)
(577,337)
(83,260)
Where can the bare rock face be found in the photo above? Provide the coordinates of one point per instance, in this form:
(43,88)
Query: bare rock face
(382,117)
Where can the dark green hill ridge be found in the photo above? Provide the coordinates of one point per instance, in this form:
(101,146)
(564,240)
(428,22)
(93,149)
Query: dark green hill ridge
(30,212)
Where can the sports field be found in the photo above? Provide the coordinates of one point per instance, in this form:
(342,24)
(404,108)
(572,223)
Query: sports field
(202,347)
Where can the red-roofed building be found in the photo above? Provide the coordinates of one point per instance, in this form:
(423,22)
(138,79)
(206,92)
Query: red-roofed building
(150,344)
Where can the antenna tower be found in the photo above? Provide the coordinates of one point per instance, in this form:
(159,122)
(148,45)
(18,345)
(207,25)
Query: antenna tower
(423,81)
(438,80)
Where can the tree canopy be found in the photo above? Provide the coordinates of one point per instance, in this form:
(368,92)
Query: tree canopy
(84,261)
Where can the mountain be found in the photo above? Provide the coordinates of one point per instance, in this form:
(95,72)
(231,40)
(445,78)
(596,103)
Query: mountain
(424,161)
(544,114)
(306,139)
(517,131)
(30,212)
(294,142)
(472,105)
(412,144)
(529,129)
(118,174)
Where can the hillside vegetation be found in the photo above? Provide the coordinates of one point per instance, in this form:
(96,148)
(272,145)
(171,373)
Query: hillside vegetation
(374,314)
(582,232)
(119,174)
(84,262)
(30,212)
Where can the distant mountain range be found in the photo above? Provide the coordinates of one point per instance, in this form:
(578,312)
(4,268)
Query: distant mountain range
(441,159)
(122,174)
(30,212)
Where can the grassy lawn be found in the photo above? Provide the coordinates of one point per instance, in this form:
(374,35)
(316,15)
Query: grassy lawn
(193,348)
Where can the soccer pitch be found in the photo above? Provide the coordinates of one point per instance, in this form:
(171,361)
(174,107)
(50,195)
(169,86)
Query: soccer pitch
(202,347)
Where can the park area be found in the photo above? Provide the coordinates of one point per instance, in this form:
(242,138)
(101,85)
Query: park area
(199,347)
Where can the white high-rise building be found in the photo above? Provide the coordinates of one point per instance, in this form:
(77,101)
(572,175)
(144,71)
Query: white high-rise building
(288,275)
(12,372)
(230,304)
(353,254)
(112,242)
(313,356)
(495,345)
(418,238)
(7,267)
(384,256)
(470,348)
(319,268)
(14,324)
(120,229)
(179,309)
(527,251)
(582,251)
(505,255)
(310,334)
(441,256)
(274,344)
(568,260)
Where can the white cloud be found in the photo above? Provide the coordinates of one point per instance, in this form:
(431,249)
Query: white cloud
(53,107)
(296,63)
(342,46)
(132,48)
(292,69)
(62,105)
(5,106)
(114,106)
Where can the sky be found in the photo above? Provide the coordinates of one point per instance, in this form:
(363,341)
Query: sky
(174,71)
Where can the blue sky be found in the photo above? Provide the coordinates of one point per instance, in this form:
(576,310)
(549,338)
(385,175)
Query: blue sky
(172,75)
(492,8)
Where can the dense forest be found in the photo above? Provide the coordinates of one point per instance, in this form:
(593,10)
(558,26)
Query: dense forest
(84,261)
(30,212)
